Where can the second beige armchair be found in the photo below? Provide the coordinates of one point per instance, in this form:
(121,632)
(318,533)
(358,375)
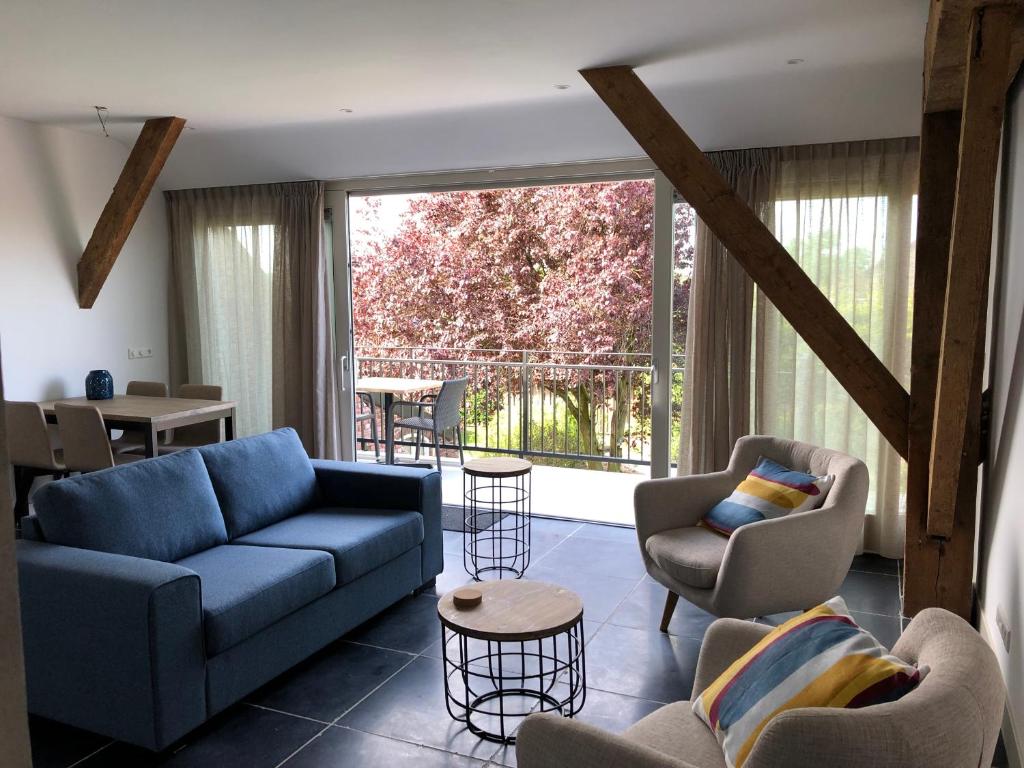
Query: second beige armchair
(784,564)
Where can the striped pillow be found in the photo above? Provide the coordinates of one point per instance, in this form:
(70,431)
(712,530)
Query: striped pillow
(820,658)
(770,490)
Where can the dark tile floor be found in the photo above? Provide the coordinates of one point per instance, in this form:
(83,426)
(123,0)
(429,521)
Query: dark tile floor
(375,698)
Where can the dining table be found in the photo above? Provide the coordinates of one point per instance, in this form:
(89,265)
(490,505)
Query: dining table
(152,415)
(387,387)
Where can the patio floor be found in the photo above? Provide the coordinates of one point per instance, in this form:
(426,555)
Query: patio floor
(570,494)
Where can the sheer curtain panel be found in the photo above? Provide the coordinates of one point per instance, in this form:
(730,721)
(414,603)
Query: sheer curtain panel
(250,305)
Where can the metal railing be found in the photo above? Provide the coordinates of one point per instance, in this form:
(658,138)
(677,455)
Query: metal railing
(570,407)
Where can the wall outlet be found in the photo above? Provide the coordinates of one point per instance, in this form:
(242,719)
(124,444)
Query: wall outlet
(136,353)
(1003,627)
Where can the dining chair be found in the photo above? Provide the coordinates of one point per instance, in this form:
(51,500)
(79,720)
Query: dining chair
(369,415)
(194,435)
(132,440)
(31,451)
(84,437)
(443,416)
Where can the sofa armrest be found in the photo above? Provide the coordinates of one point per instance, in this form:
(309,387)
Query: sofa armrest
(677,502)
(553,741)
(724,642)
(113,644)
(385,486)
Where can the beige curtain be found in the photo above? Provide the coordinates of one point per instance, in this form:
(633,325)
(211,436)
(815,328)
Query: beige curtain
(845,212)
(251,305)
(716,398)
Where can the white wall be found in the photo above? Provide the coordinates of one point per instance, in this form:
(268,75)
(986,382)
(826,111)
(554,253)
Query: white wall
(53,184)
(1001,544)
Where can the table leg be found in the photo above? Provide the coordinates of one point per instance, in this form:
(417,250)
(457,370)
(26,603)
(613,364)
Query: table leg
(229,425)
(389,433)
(151,440)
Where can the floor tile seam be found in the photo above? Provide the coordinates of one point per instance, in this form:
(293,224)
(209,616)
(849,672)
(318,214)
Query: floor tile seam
(376,688)
(408,741)
(91,755)
(380,647)
(305,744)
(286,713)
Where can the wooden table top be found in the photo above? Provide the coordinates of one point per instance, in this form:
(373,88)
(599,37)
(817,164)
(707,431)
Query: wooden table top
(395,385)
(146,409)
(513,610)
(497,466)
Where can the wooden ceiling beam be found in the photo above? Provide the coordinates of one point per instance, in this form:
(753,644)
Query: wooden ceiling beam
(753,245)
(133,186)
(970,250)
(945,55)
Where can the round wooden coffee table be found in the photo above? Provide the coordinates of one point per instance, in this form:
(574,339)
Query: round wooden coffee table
(519,650)
(496,516)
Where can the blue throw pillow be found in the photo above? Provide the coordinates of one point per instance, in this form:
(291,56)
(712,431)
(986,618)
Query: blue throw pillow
(769,491)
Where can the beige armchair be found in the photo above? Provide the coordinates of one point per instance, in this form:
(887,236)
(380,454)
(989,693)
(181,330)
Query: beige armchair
(952,719)
(786,564)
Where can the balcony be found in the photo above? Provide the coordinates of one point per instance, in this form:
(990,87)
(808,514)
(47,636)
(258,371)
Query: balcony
(583,419)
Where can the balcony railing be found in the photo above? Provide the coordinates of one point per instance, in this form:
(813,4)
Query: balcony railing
(566,407)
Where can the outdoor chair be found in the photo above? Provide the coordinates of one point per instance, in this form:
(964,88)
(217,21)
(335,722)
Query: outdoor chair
(435,414)
(787,563)
(951,719)
(369,415)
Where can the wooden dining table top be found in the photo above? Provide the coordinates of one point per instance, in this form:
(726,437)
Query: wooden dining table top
(395,385)
(146,410)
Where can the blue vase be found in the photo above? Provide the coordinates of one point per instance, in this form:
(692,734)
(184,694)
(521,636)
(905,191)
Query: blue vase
(99,385)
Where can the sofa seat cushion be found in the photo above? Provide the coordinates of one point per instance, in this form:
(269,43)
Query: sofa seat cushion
(260,480)
(360,540)
(158,509)
(690,555)
(246,589)
(674,730)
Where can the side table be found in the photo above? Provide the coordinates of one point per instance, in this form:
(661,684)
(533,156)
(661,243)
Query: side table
(519,651)
(496,517)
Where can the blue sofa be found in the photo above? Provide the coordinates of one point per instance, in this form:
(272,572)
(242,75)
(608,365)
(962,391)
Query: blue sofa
(156,594)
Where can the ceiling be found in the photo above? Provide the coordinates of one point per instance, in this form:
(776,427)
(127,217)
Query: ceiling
(261,83)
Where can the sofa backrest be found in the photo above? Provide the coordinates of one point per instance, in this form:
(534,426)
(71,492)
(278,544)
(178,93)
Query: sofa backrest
(260,480)
(159,509)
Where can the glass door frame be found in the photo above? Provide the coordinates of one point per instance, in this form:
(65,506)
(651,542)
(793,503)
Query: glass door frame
(337,197)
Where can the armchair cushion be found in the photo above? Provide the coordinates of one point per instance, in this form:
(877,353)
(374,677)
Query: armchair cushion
(820,658)
(770,490)
(690,555)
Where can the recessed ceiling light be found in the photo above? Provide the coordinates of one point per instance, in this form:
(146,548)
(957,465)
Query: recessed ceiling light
(345,110)
(561,87)
(794,61)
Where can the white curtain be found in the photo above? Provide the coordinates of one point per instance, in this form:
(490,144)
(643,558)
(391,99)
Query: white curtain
(846,213)
(251,305)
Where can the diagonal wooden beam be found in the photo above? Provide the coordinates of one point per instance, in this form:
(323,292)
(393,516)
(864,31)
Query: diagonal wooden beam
(945,55)
(133,186)
(970,252)
(753,245)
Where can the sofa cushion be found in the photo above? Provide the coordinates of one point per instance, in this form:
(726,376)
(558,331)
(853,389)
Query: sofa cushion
(690,555)
(246,589)
(359,539)
(158,509)
(260,480)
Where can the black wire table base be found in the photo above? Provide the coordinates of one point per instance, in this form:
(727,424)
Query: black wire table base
(492,686)
(496,530)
